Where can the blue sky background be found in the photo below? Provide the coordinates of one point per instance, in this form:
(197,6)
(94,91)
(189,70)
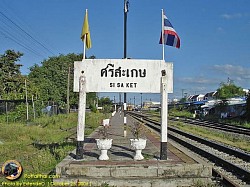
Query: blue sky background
(215,36)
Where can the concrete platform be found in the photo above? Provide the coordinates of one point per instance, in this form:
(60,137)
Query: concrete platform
(180,169)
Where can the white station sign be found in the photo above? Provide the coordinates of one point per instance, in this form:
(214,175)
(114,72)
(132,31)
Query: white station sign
(123,75)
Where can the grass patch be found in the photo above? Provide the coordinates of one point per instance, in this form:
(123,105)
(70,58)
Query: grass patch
(41,145)
(236,122)
(225,138)
(246,124)
(148,156)
(180,113)
(204,184)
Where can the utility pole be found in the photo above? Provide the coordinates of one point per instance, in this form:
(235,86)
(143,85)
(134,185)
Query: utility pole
(114,104)
(68,91)
(141,101)
(134,101)
(6,110)
(33,106)
(120,99)
(182,91)
(126,4)
(27,104)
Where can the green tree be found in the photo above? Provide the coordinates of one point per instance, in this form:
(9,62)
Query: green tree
(11,80)
(106,103)
(229,90)
(51,79)
(183,100)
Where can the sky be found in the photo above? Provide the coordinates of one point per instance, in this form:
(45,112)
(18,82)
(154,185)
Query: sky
(214,37)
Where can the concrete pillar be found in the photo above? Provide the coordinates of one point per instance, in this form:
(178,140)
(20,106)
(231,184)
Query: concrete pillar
(164,116)
(81,117)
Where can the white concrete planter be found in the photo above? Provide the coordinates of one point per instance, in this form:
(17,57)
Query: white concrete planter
(104,145)
(138,145)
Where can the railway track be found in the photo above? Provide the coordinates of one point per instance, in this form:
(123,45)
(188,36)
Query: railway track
(215,125)
(210,124)
(232,165)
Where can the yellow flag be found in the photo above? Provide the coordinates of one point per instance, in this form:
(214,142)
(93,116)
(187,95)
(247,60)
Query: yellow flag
(85,31)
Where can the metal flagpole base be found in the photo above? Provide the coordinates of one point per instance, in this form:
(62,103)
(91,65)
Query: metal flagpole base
(79,150)
(163,153)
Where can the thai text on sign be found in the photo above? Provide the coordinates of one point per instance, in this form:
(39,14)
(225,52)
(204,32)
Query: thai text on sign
(123,75)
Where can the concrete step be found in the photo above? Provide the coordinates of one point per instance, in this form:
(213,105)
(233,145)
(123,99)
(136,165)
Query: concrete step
(133,173)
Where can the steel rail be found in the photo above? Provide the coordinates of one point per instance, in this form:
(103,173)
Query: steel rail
(216,125)
(243,173)
(210,124)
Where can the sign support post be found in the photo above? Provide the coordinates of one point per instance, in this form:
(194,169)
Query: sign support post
(164,116)
(81,117)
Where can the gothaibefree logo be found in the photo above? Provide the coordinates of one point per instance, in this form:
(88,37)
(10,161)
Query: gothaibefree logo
(12,169)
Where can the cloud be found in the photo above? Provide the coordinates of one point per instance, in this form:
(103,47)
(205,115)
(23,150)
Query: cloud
(232,16)
(195,85)
(213,77)
(197,80)
(210,81)
(239,72)
(220,29)
(200,89)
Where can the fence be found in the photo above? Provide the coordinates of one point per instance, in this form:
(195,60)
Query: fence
(19,110)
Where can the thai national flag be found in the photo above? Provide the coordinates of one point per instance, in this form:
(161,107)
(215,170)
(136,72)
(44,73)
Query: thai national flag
(170,37)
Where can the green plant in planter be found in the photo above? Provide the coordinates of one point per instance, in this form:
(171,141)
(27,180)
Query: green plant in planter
(137,129)
(103,132)
(139,142)
(104,143)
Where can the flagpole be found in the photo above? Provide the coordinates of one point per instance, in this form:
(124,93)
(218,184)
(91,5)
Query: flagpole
(162,35)
(84,47)
(84,40)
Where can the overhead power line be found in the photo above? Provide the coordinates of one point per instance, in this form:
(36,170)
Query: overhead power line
(7,30)
(26,33)
(19,43)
